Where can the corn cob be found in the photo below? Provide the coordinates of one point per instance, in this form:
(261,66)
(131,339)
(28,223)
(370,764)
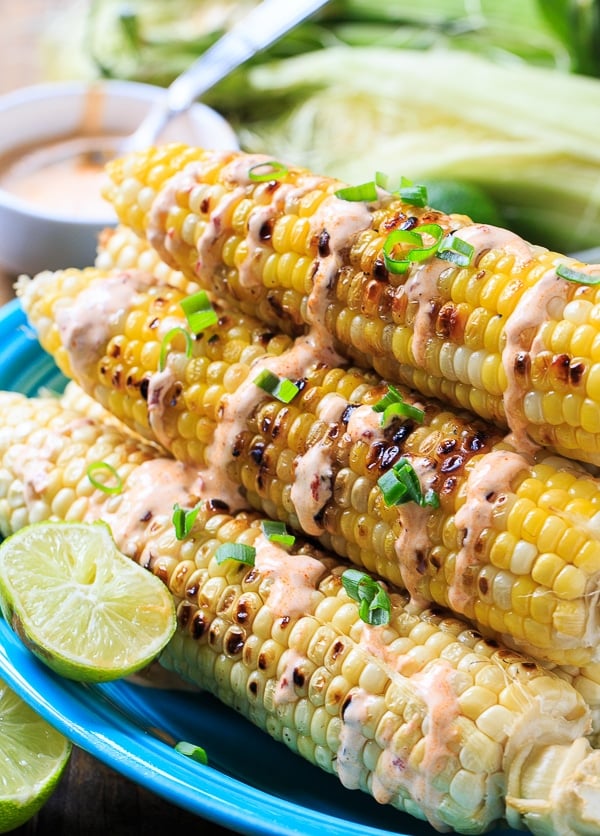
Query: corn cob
(586,680)
(500,333)
(420,712)
(513,546)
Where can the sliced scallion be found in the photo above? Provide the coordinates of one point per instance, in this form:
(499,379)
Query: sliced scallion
(280,387)
(190,750)
(199,311)
(110,473)
(183,520)
(399,236)
(420,252)
(577,276)
(374,605)
(364,191)
(239,552)
(166,345)
(401,484)
(393,404)
(277,532)
(274,171)
(454,249)
(414,194)
(383,181)
(424,252)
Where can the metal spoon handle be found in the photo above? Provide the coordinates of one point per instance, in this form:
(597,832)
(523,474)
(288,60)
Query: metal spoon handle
(258,29)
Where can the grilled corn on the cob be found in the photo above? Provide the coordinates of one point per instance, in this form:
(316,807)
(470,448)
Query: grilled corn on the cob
(586,680)
(463,312)
(420,712)
(514,544)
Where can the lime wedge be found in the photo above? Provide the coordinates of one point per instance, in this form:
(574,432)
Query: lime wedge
(33,756)
(79,604)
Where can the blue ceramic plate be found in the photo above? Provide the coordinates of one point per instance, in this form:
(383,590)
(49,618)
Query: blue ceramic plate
(253,785)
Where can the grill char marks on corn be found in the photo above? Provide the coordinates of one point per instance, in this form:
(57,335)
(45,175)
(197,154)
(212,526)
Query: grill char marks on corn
(504,336)
(422,713)
(513,545)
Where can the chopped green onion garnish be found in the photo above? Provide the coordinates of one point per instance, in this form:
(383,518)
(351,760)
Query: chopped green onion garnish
(190,750)
(401,484)
(166,344)
(365,191)
(399,236)
(199,311)
(280,387)
(277,532)
(456,250)
(97,467)
(393,404)
(424,252)
(416,195)
(374,603)
(383,181)
(274,171)
(236,551)
(418,253)
(183,520)
(578,276)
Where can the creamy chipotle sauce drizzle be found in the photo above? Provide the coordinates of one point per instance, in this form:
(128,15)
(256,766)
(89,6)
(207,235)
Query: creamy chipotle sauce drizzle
(142,512)
(441,737)
(396,771)
(292,578)
(546,298)
(413,542)
(421,286)
(488,485)
(87,324)
(160,236)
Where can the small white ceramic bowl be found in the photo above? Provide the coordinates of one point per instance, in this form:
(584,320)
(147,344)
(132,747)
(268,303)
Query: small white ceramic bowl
(34,238)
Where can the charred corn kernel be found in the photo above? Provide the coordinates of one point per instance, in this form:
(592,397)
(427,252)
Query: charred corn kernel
(413,711)
(315,462)
(509,337)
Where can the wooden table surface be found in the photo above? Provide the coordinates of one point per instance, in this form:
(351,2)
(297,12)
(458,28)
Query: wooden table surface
(91,798)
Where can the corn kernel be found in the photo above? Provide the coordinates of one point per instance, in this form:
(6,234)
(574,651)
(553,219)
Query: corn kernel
(546,569)
(570,618)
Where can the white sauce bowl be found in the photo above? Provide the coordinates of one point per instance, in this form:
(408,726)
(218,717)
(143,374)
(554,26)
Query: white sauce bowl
(35,237)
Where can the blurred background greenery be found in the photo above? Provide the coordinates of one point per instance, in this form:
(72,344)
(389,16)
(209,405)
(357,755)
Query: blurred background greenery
(495,105)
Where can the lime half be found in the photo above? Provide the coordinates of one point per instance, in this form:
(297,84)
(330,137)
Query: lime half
(79,604)
(33,756)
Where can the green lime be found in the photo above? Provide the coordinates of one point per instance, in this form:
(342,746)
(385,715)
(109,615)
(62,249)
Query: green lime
(79,604)
(460,197)
(33,756)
